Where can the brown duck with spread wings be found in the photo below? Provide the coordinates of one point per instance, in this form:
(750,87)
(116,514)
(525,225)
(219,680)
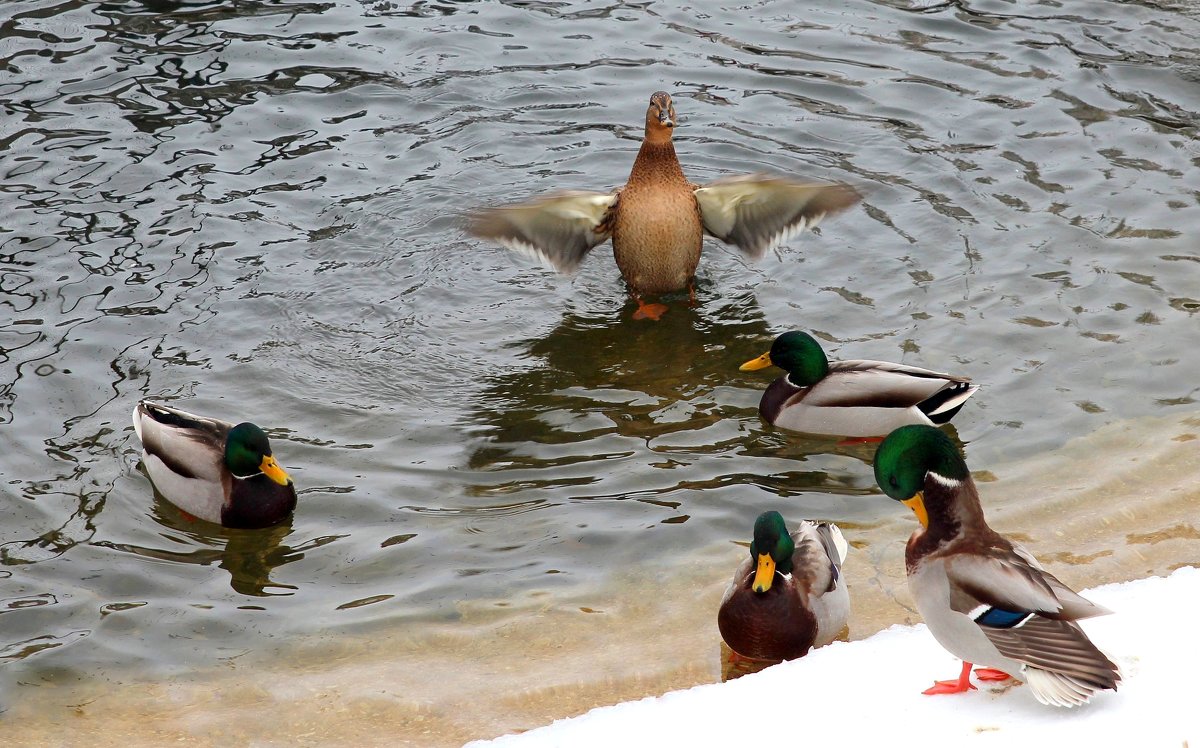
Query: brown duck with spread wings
(657,221)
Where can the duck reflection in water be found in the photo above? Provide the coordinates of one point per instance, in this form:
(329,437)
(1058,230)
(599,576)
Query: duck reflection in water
(621,376)
(667,385)
(249,556)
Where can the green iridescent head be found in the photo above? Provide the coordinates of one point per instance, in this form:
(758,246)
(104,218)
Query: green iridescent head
(906,456)
(771,550)
(797,353)
(908,453)
(248,452)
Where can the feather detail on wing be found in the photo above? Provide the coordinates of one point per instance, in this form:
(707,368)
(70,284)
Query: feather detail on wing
(1027,615)
(188,445)
(1007,583)
(1010,582)
(1074,605)
(557,231)
(835,544)
(879,384)
(818,556)
(756,212)
(1057,646)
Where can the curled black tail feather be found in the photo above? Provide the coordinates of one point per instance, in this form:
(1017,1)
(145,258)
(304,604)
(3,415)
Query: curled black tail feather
(946,402)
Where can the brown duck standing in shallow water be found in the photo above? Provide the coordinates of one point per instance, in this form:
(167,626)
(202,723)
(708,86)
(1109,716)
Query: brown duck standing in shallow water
(658,219)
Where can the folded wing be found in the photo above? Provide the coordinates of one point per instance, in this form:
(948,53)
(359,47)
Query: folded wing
(1028,616)
(879,384)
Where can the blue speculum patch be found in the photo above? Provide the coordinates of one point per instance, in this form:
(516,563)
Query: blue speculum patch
(1001,619)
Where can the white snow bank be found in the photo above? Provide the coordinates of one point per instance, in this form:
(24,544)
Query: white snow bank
(869,692)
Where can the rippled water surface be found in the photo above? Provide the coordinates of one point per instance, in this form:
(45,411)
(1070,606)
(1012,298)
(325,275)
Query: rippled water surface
(253,209)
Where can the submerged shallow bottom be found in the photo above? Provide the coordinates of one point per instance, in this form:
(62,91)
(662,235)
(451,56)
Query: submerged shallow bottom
(1113,506)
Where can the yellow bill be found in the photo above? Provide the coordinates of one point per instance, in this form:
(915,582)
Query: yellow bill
(917,504)
(761,362)
(271,469)
(765,574)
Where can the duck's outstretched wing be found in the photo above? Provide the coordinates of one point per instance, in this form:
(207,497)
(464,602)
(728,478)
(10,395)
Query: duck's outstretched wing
(756,212)
(557,230)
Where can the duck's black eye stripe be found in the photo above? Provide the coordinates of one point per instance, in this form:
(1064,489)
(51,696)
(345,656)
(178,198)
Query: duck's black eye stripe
(998,618)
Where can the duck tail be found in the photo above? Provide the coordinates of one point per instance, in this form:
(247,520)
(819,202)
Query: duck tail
(138,412)
(1065,689)
(167,416)
(946,402)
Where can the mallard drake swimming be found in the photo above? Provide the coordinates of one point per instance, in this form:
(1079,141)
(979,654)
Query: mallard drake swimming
(658,219)
(789,595)
(986,599)
(852,398)
(212,469)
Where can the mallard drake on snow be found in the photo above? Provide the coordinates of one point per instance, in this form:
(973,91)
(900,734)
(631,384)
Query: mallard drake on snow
(856,398)
(658,219)
(212,469)
(986,599)
(788,595)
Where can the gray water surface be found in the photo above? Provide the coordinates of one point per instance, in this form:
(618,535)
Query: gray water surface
(253,210)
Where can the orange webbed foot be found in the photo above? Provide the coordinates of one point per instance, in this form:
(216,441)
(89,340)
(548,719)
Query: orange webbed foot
(962,685)
(649,311)
(947,686)
(737,659)
(991,674)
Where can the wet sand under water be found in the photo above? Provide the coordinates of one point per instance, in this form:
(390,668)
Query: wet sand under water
(495,672)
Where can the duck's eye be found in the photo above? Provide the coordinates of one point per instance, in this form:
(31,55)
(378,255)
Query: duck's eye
(893,482)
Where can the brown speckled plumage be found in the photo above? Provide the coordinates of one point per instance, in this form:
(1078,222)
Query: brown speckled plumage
(657,231)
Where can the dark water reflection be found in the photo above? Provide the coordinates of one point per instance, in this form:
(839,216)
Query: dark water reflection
(248,556)
(252,209)
(650,393)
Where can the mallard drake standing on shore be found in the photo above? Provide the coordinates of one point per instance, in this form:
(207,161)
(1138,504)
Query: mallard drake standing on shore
(986,599)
